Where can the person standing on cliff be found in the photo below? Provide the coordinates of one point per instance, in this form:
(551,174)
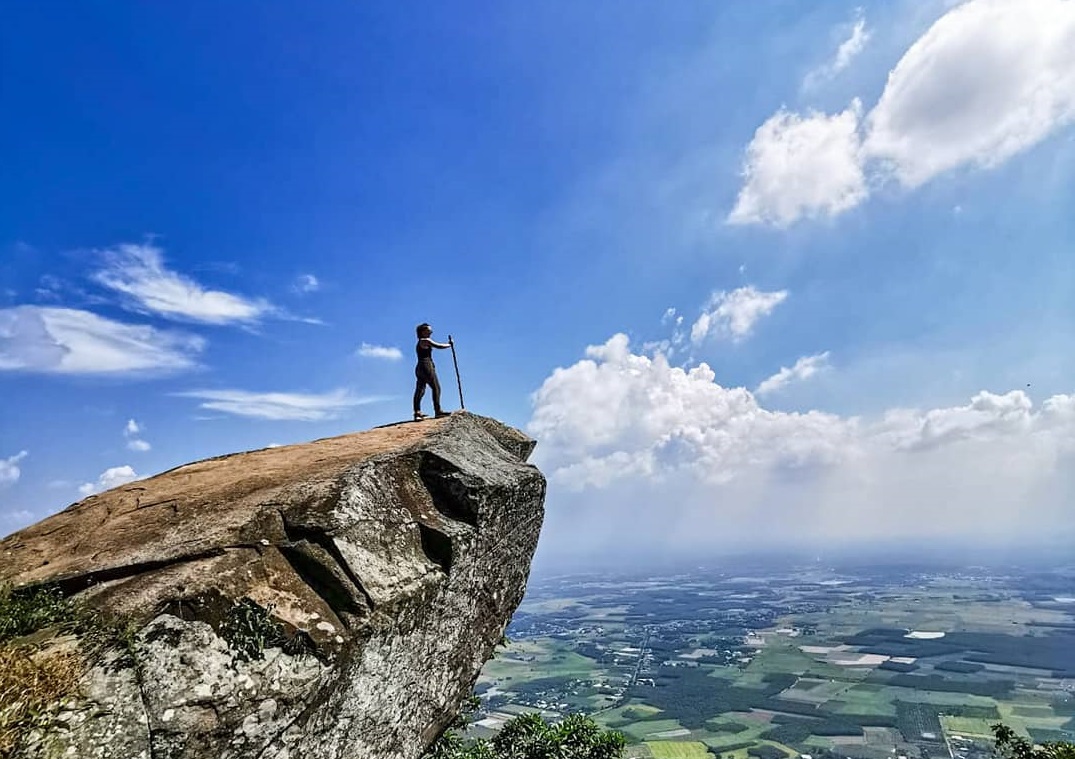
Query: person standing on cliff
(425,372)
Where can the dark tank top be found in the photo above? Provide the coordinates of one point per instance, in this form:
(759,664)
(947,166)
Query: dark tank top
(425,352)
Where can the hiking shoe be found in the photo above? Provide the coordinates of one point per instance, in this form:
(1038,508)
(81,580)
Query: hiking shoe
(441,414)
(419,416)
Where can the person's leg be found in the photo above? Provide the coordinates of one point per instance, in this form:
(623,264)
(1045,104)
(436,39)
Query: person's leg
(434,383)
(419,391)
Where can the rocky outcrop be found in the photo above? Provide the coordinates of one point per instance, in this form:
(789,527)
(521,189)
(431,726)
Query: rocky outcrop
(335,599)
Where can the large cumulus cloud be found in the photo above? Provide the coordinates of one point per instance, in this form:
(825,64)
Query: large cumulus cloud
(641,452)
(987,81)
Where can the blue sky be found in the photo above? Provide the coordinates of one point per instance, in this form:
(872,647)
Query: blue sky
(859,215)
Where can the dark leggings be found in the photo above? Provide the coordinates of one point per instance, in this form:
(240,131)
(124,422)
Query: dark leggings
(426,374)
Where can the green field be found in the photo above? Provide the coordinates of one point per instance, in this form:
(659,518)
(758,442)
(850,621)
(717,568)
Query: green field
(529,660)
(678,750)
(867,698)
(626,714)
(648,728)
(968,726)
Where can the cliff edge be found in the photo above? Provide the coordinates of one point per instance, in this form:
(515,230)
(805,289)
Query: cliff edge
(331,600)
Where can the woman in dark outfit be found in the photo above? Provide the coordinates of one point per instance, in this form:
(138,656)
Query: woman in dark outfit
(426,372)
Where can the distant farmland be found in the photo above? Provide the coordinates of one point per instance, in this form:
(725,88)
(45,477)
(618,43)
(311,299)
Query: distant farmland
(788,663)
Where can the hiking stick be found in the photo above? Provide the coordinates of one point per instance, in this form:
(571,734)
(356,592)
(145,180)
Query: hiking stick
(458,381)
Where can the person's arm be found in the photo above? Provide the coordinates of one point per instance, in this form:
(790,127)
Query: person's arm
(440,345)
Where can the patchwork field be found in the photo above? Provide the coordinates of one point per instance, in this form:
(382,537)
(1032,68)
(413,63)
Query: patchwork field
(769,667)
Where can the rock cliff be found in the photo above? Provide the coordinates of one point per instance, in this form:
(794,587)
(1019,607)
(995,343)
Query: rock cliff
(332,600)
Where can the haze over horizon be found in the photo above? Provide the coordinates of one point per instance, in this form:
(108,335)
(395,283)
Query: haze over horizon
(755,276)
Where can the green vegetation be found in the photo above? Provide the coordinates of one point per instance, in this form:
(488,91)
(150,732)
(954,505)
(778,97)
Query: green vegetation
(938,684)
(531,737)
(1011,746)
(31,678)
(249,628)
(23,612)
(37,672)
(26,611)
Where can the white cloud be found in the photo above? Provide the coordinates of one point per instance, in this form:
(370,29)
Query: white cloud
(804,368)
(110,478)
(307,283)
(617,412)
(988,80)
(801,166)
(848,50)
(9,469)
(986,415)
(379,351)
(15,519)
(852,46)
(71,341)
(134,442)
(734,314)
(630,439)
(138,272)
(303,407)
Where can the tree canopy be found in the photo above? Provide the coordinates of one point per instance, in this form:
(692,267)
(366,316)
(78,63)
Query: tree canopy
(1012,746)
(531,737)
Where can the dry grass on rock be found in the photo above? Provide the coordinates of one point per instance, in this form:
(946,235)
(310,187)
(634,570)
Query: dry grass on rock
(31,680)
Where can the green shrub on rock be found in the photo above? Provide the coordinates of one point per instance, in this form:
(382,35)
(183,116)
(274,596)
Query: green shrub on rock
(531,737)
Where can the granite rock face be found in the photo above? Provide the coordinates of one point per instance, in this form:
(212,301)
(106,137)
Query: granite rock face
(388,562)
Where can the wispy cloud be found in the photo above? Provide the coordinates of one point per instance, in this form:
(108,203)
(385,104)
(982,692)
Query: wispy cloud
(366,350)
(306,283)
(110,478)
(804,368)
(133,433)
(138,272)
(848,50)
(9,469)
(72,341)
(734,314)
(302,407)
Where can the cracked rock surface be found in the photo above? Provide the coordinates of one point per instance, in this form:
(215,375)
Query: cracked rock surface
(387,562)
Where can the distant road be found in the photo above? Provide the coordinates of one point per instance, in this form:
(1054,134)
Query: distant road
(634,675)
(641,658)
